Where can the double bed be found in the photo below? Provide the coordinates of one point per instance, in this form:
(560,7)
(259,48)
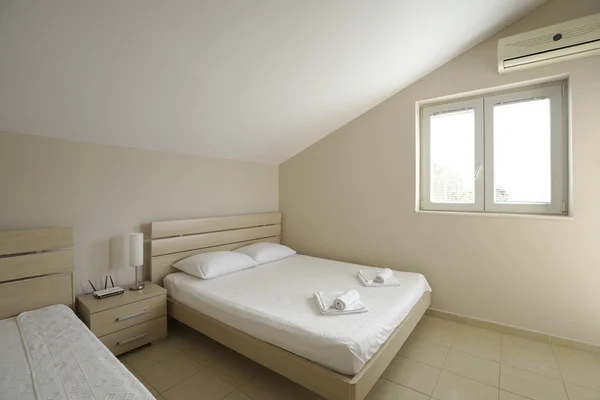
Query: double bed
(46,352)
(267,313)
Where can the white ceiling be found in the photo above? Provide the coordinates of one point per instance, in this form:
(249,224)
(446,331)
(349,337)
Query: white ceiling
(250,80)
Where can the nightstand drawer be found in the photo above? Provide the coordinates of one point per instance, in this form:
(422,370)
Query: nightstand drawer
(136,336)
(118,318)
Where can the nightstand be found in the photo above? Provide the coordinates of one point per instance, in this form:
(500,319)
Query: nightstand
(126,321)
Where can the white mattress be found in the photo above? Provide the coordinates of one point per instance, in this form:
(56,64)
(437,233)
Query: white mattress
(50,354)
(273,302)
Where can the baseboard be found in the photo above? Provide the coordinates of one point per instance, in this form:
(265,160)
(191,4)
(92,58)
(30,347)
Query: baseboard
(512,330)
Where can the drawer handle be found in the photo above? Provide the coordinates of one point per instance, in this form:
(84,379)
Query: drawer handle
(122,342)
(137,314)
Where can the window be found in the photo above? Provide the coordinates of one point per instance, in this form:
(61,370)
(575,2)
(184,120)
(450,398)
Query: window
(502,153)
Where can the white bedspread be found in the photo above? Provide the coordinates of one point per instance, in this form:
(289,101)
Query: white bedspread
(15,375)
(49,354)
(274,302)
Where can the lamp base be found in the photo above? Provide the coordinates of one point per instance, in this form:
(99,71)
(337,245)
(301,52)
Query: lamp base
(137,286)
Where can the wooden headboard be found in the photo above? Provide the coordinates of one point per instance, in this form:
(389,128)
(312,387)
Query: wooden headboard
(172,241)
(36,270)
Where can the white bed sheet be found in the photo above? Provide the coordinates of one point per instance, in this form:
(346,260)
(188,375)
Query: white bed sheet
(274,303)
(50,354)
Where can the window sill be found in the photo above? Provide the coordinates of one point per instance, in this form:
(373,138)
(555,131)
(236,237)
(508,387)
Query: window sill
(497,215)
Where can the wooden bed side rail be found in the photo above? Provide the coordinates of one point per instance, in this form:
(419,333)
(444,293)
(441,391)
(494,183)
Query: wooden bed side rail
(321,380)
(372,371)
(327,383)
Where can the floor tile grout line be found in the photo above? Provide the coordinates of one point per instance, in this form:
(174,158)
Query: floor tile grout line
(531,372)
(471,379)
(404,386)
(202,368)
(516,394)
(499,373)
(501,348)
(418,362)
(172,386)
(562,378)
(442,368)
(535,373)
(138,372)
(240,388)
(472,355)
(500,368)
(185,380)
(246,394)
(582,387)
(479,328)
(157,391)
(445,358)
(475,355)
(234,389)
(146,347)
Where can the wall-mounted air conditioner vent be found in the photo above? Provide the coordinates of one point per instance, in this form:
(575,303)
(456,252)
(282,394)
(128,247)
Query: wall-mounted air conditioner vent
(564,41)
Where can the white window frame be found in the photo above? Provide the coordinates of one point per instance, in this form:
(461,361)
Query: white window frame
(477,106)
(484,151)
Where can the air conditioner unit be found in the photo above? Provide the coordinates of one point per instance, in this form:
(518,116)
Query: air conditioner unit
(560,42)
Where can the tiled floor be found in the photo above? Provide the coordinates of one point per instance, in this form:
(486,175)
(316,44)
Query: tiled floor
(441,360)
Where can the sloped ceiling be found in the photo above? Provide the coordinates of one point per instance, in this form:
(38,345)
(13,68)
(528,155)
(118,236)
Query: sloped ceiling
(249,80)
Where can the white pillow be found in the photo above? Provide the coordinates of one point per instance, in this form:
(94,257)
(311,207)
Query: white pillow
(215,263)
(266,252)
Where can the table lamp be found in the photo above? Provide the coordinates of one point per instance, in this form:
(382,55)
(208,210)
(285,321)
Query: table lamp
(136,257)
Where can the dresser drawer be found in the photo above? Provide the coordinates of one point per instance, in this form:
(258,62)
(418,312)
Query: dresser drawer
(125,316)
(136,336)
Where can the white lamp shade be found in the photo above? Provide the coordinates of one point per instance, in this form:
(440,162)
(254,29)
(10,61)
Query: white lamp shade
(136,249)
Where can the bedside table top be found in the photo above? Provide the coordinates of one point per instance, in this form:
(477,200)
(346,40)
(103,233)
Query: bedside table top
(95,305)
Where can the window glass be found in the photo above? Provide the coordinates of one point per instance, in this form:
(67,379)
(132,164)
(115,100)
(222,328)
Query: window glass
(522,158)
(452,141)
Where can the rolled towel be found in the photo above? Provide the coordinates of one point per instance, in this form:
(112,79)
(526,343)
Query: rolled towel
(383,275)
(346,300)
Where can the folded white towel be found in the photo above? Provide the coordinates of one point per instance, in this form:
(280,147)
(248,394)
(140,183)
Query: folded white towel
(325,302)
(367,278)
(345,300)
(383,275)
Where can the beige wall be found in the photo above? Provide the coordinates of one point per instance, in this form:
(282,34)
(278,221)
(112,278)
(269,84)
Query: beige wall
(351,197)
(105,192)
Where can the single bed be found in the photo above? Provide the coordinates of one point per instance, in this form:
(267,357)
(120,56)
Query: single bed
(274,303)
(349,357)
(46,352)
